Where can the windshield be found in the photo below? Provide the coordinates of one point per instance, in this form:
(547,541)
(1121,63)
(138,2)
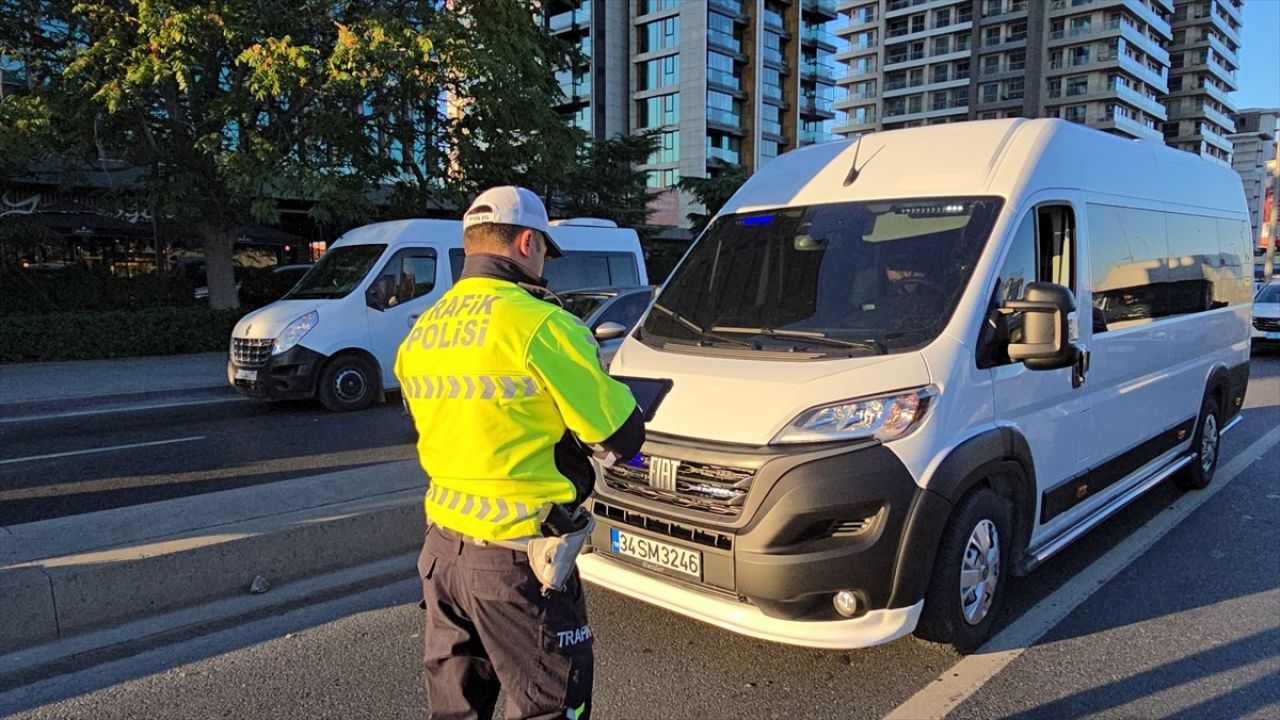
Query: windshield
(842,279)
(1269,294)
(583,304)
(338,272)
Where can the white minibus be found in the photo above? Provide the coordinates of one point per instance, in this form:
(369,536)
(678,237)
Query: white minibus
(335,334)
(901,369)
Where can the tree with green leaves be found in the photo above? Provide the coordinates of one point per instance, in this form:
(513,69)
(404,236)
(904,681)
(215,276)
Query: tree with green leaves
(234,105)
(605,182)
(712,192)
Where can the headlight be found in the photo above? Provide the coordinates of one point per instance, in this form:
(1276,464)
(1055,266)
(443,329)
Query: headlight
(884,417)
(294,332)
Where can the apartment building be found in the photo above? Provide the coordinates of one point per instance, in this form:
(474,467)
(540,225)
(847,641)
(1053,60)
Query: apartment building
(1204,59)
(1151,69)
(1256,160)
(723,82)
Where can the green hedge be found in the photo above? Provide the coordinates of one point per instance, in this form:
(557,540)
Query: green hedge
(111,334)
(78,289)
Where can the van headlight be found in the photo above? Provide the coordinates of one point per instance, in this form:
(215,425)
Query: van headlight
(883,417)
(294,332)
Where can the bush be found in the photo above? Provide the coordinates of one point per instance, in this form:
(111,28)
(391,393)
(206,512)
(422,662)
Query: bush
(113,334)
(78,289)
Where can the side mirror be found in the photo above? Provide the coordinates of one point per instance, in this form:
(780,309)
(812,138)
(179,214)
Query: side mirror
(609,331)
(1046,333)
(380,292)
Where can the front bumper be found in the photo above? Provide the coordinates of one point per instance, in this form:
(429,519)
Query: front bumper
(873,628)
(291,375)
(816,521)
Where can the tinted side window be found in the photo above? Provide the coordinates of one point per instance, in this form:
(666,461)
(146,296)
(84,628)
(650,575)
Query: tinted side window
(1234,247)
(413,273)
(577,270)
(625,311)
(1128,262)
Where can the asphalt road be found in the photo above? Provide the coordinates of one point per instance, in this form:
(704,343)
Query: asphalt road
(127,455)
(1190,628)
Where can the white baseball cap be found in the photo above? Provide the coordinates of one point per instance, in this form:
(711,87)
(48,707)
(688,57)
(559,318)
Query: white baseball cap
(511,205)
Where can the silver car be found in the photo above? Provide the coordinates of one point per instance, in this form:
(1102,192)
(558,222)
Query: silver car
(610,312)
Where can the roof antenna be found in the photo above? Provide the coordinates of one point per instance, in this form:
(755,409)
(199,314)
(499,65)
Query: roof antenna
(853,169)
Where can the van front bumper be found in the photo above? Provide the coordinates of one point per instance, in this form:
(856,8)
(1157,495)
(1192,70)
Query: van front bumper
(291,375)
(873,628)
(817,521)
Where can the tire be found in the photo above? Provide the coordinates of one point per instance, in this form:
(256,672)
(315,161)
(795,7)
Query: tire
(966,620)
(349,383)
(1206,443)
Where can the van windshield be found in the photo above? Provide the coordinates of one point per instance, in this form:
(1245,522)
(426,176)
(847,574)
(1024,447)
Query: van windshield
(843,279)
(338,272)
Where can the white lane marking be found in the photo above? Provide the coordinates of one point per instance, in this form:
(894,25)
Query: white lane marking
(957,683)
(102,450)
(120,410)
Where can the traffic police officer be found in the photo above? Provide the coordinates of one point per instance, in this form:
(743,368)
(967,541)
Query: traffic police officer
(507,393)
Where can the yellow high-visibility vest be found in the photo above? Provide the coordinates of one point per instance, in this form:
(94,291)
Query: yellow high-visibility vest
(493,377)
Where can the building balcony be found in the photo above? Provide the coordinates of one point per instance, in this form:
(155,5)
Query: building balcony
(1151,106)
(813,137)
(1229,7)
(1221,119)
(815,106)
(771,127)
(1222,48)
(903,116)
(1228,77)
(578,19)
(1144,73)
(824,8)
(732,8)
(861,20)
(725,120)
(818,71)
(894,8)
(1214,138)
(724,41)
(821,38)
(1144,13)
(900,89)
(723,155)
(1129,126)
(928,33)
(853,100)
(852,51)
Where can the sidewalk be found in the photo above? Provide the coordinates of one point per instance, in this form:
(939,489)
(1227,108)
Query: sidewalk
(49,386)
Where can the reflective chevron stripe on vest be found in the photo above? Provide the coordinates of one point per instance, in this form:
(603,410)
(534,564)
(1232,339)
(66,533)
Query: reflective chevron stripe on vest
(492,510)
(468,387)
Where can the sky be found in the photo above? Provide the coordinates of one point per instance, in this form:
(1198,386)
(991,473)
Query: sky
(1260,56)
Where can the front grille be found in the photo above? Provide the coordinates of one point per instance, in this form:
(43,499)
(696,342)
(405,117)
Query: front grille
(251,352)
(1267,324)
(717,540)
(715,489)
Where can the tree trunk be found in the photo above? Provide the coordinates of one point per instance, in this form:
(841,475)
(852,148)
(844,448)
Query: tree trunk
(219,268)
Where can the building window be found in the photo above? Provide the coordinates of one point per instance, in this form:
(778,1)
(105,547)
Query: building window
(1017,60)
(1014,88)
(941,45)
(990,64)
(991,92)
(660,34)
(993,8)
(1017,31)
(1075,113)
(662,72)
(1055,88)
(942,18)
(658,111)
(662,178)
(1078,85)
(653,6)
(991,36)
(940,73)
(668,150)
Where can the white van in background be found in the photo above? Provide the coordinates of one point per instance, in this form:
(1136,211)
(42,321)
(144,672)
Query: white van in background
(901,369)
(335,335)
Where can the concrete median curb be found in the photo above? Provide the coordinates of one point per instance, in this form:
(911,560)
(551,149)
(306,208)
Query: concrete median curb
(68,576)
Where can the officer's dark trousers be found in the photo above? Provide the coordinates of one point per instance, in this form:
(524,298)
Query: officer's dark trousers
(488,626)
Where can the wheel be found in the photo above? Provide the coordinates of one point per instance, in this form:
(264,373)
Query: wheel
(349,382)
(969,574)
(1205,443)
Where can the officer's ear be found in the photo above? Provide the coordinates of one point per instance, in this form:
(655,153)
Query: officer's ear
(525,243)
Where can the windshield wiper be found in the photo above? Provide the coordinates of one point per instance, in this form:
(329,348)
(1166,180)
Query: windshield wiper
(819,337)
(689,324)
